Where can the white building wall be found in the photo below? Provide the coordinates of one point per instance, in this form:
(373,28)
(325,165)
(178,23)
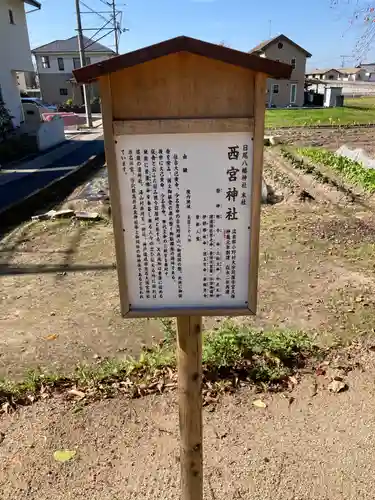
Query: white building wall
(14,54)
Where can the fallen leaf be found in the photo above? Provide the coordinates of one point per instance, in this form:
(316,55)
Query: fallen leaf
(337,386)
(320,371)
(259,403)
(75,392)
(64,455)
(51,337)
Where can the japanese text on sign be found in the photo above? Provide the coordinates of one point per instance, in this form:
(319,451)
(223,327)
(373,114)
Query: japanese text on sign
(185,202)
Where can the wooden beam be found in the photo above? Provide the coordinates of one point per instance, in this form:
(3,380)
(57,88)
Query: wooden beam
(183,126)
(256,183)
(114,188)
(189,355)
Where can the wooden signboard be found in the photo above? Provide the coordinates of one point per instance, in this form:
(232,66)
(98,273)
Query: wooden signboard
(183,125)
(185,207)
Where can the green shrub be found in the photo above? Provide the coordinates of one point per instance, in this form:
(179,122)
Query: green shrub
(266,356)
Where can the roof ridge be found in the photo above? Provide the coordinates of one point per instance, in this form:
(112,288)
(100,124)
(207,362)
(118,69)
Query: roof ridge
(183,44)
(71,45)
(266,43)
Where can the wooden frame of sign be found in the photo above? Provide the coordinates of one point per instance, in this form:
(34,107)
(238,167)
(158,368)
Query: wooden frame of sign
(185,89)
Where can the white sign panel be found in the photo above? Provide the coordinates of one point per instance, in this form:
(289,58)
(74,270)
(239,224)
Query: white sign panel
(185,206)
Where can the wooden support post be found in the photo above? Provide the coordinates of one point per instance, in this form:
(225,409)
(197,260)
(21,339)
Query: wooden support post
(189,350)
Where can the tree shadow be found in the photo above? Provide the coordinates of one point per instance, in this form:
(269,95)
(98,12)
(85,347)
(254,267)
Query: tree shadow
(8,270)
(20,235)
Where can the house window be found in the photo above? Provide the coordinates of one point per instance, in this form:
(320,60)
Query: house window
(77,62)
(63,91)
(293,63)
(280,45)
(293,93)
(60,63)
(11,17)
(45,62)
(275,88)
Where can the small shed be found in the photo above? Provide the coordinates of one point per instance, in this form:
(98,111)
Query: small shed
(176,87)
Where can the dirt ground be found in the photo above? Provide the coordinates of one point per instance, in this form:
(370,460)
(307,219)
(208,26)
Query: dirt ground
(331,138)
(308,444)
(59,306)
(59,301)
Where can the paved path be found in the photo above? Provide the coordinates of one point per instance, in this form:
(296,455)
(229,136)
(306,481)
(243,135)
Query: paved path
(21,180)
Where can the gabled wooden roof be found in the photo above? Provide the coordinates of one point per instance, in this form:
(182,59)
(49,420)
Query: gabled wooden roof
(183,44)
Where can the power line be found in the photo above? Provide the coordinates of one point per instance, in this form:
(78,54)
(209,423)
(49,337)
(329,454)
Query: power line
(112,17)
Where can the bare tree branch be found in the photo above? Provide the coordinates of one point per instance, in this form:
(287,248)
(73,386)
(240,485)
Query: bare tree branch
(361,14)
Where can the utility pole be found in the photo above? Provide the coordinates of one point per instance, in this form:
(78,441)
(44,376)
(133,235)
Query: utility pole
(115,27)
(343,60)
(81,47)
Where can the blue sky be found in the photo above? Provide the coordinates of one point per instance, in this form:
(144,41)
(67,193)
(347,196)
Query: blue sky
(242,24)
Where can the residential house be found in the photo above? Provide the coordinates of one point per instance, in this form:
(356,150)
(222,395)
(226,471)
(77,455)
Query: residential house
(15,55)
(323,74)
(353,74)
(341,74)
(55,62)
(283,93)
(370,71)
(26,80)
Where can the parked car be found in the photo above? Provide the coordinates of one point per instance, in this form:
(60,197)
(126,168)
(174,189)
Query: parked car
(44,107)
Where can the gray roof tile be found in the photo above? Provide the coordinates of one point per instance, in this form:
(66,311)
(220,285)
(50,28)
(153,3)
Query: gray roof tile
(71,45)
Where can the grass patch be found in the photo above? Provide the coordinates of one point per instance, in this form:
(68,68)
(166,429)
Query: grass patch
(351,170)
(268,356)
(347,115)
(360,102)
(231,353)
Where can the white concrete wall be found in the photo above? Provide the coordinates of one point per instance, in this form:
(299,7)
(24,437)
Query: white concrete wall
(50,133)
(68,62)
(349,88)
(21,80)
(14,54)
